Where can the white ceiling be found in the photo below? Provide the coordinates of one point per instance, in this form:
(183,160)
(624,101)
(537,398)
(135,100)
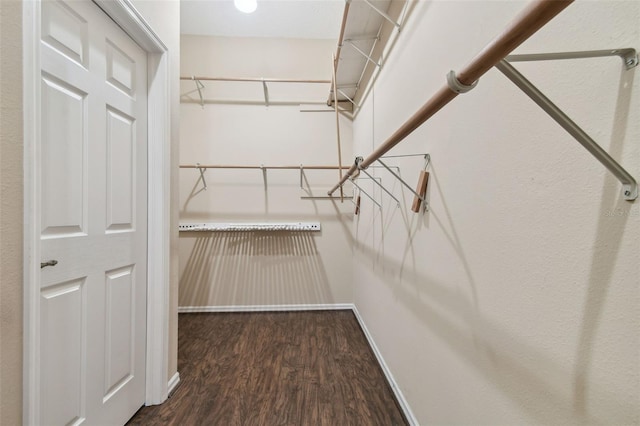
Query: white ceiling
(315,19)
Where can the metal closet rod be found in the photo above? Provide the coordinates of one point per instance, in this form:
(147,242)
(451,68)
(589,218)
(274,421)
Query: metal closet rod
(532,18)
(261,167)
(256,80)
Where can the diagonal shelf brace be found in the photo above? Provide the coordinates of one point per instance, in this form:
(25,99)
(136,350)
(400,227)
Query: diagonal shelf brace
(202,170)
(383,14)
(265,89)
(360,51)
(629,185)
(382,186)
(200,88)
(402,181)
(365,192)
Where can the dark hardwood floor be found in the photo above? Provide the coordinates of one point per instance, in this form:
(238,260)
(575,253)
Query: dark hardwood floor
(275,368)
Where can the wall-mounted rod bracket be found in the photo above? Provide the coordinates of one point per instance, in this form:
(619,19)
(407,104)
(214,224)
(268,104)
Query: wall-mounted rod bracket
(629,56)
(455,85)
(202,170)
(629,185)
(364,192)
(360,51)
(382,187)
(383,14)
(200,88)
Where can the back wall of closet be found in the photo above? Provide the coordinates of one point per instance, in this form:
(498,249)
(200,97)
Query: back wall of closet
(235,127)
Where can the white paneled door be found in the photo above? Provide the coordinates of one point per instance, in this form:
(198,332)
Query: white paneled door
(93,218)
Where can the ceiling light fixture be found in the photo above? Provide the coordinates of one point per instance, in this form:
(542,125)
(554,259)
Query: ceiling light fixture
(246,6)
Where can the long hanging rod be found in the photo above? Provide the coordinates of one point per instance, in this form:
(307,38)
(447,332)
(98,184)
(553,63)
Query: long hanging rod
(534,17)
(257,80)
(261,167)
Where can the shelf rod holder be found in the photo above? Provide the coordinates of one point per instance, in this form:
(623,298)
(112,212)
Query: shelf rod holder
(383,14)
(629,185)
(397,176)
(365,192)
(629,56)
(382,186)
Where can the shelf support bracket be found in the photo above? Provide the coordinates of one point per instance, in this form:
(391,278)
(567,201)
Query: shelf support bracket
(629,185)
(628,55)
(202,170)
(381,13)
(360,51)
(265,89)
(365,192)
(200,88)
(402,181)
(382,187)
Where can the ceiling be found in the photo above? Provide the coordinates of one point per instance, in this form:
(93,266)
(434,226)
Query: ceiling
(311,19)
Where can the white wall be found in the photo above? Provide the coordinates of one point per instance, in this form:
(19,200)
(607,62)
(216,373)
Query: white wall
(514,300)
(11,185)
(234,269)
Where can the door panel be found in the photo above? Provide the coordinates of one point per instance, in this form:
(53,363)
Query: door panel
(63,327)
(64,121)
(121,166)
(66,31)
(120,329)
(92,152)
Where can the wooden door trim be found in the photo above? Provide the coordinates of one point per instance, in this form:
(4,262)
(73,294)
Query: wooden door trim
(158,223)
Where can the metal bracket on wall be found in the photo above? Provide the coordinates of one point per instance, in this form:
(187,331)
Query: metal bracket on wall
(427,159)
(375,180)
(202,170)
(200,88)
(629,56)
(365,192)
(265,89)
(629,184)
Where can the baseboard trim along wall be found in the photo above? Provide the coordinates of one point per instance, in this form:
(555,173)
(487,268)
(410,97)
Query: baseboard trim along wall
(265,308)
(173,382)
(404,405)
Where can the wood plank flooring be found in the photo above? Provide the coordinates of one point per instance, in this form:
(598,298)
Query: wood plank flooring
(275,368)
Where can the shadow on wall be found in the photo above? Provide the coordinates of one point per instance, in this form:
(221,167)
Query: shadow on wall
(607,245)
(254,268)
(521,371)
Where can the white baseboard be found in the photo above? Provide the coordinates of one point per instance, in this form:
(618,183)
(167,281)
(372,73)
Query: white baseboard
(404,405)
(265,308)
(171,386)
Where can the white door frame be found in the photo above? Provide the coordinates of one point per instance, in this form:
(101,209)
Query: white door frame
(158,117)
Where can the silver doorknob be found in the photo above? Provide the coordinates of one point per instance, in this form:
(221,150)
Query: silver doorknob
(49,263)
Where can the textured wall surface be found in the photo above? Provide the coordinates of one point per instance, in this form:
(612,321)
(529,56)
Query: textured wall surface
(514,300)
(10,212)
(261,268)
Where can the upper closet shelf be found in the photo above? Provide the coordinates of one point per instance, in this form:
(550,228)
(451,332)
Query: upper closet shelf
(366,28)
